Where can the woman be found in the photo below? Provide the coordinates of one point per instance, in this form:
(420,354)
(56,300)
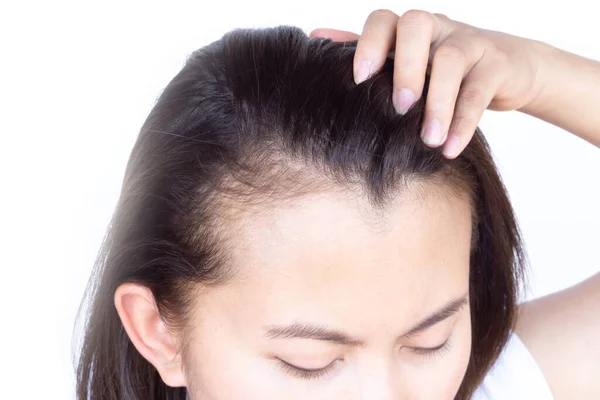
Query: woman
(284,232)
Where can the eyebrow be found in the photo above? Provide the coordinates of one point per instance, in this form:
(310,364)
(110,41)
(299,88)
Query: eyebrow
(316,332)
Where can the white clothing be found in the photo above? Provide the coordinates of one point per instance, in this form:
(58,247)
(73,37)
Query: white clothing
(514,376)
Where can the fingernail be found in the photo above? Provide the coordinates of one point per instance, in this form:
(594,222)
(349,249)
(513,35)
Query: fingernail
(452,146)
(432,133)
(363,70)
(403,99)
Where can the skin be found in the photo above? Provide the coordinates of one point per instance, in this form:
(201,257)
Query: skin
(474,69)
(381,291)
(293,270)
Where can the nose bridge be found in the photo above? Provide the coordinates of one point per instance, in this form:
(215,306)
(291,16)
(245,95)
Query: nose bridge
(378,380)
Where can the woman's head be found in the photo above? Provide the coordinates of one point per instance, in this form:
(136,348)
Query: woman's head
(275,214)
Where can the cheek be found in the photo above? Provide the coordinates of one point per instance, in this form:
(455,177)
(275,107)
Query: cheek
(458,367)
(455,366)
(216,375)
(442,378)
(219,367)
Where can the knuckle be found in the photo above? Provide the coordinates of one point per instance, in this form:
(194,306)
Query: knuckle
(381,12)
(471,30)
(464,125)
(467,119)
(450,52)
(442,17)
(462,122)
(499,56)
(418,17)
(472,97)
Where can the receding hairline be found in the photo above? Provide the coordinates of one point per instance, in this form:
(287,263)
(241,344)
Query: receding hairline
(288,183)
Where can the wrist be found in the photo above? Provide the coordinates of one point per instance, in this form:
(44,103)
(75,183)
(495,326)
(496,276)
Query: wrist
(566,93)
(546,59)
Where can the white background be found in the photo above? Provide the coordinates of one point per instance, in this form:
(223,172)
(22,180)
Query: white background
(79,78)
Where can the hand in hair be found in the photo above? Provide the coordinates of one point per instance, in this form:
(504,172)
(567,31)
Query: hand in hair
(472,69)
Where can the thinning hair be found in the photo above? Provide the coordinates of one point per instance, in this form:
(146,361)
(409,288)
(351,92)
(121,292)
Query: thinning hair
(265,115)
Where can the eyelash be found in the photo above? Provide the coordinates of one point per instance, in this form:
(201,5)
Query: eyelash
(303,373)
(431,352)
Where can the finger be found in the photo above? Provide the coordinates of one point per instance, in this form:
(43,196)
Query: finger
(451,60)
(476,93)
(415,32)
(376,40)
(334,34)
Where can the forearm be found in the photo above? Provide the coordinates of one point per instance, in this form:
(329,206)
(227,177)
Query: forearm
(570,95)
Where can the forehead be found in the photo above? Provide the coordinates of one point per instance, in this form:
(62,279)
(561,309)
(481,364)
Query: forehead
(331,251)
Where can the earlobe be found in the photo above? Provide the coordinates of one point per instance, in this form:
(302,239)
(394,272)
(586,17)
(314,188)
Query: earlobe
(141,320)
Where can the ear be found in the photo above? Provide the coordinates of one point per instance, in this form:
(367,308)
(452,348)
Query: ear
(138,312)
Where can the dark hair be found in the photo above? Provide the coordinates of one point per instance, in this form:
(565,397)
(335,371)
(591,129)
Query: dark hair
(263,115)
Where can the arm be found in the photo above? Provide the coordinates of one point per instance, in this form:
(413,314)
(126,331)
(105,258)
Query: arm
(473,69)
(562,332)
(570,98)
(469,68)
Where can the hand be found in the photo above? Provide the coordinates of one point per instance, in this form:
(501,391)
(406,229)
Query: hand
(490,69)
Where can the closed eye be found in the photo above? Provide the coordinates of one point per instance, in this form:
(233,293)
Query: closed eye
(432,351)
(306,373)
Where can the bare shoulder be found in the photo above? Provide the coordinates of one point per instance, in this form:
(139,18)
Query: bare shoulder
(562,332)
